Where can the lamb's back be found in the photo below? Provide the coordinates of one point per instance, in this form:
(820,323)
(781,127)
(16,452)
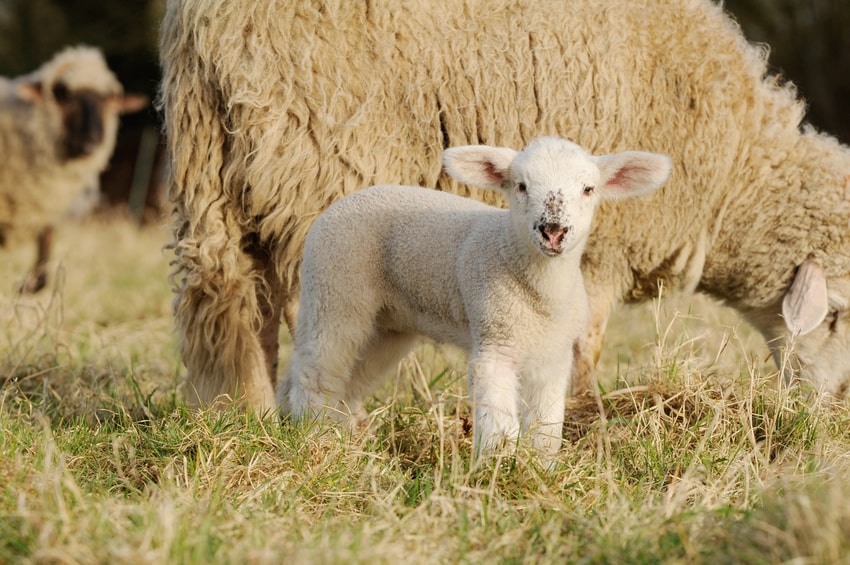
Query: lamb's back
(403,242)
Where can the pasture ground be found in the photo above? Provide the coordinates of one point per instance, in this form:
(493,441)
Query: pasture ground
(690,454)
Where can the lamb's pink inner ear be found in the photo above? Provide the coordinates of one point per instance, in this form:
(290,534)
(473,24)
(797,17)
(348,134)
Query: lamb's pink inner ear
(481,166)
(621,177)
(806,303)
(493,173)
(632,173)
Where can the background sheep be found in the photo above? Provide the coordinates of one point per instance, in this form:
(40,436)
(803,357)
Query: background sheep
(275,110)
(57,131)
(504,285)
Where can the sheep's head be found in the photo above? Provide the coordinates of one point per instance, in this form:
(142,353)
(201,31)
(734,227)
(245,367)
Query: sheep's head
(81,92)
(811,341)
(553,185)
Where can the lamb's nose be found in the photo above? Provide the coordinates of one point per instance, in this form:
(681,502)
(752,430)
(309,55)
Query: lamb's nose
(554,233)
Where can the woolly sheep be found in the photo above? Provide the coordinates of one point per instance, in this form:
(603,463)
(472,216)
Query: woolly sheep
(276,109)
(504,285)
(57,131)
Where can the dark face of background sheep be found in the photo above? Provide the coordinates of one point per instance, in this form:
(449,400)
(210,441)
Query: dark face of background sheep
(86,115)
(82,118)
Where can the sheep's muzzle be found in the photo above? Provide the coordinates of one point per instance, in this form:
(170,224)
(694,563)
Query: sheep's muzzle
(553,236)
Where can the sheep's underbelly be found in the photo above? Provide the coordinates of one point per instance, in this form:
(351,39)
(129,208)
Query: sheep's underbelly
(453,330)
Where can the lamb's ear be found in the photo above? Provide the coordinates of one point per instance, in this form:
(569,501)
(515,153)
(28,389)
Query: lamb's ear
(479,165)
(632,173)
(806,303)
(29,91)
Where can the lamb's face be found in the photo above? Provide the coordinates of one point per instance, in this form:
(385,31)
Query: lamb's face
(554,185)
(552,196)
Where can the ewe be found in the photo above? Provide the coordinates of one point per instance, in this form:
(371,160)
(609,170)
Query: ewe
(504,285)
(274,110)
(57,131)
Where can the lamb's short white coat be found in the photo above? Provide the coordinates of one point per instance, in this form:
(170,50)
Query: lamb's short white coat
(388,264)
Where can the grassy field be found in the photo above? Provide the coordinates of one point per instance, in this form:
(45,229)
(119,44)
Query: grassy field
(691,454)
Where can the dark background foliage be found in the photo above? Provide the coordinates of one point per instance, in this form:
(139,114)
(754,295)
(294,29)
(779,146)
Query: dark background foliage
(810,46)
(809,40)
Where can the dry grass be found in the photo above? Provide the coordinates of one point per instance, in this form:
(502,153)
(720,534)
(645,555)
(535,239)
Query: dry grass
(691,453)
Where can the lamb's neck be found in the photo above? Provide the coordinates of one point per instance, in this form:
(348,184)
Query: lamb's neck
(551,277)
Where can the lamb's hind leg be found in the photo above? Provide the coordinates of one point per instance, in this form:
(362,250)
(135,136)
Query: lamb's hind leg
(380,357)
(319,373)
(328,344)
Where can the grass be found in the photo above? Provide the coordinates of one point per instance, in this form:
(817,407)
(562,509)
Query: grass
(691,454)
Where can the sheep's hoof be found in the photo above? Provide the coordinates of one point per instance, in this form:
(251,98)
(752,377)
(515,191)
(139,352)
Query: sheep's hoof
(35,281)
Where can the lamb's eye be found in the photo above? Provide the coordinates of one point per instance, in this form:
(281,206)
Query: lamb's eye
(588,190)
(521,187)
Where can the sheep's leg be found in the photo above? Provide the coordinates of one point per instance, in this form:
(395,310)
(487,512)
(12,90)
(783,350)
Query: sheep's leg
(494,389)
(313,383)
(380,357)
(319,374)
(271,307)
(37,277)
(290,311)
(586,351)
(328,346)
(221,325)
(588,347)
(309,388)
(544,397)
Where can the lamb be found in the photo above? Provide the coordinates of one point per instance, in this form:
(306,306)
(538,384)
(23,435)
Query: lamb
(504,285)
(275,110)
(57,131)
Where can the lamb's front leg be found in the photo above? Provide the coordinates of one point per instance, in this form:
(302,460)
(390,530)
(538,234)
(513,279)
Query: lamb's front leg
(543,393)
(494,389)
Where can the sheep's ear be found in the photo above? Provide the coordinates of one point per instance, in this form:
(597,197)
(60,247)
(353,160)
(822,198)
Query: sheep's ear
(479,165)
(29,91)
(128,103)
(632,173)
(806,303)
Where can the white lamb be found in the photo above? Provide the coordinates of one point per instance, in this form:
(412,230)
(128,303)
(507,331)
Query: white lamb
(390,263)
